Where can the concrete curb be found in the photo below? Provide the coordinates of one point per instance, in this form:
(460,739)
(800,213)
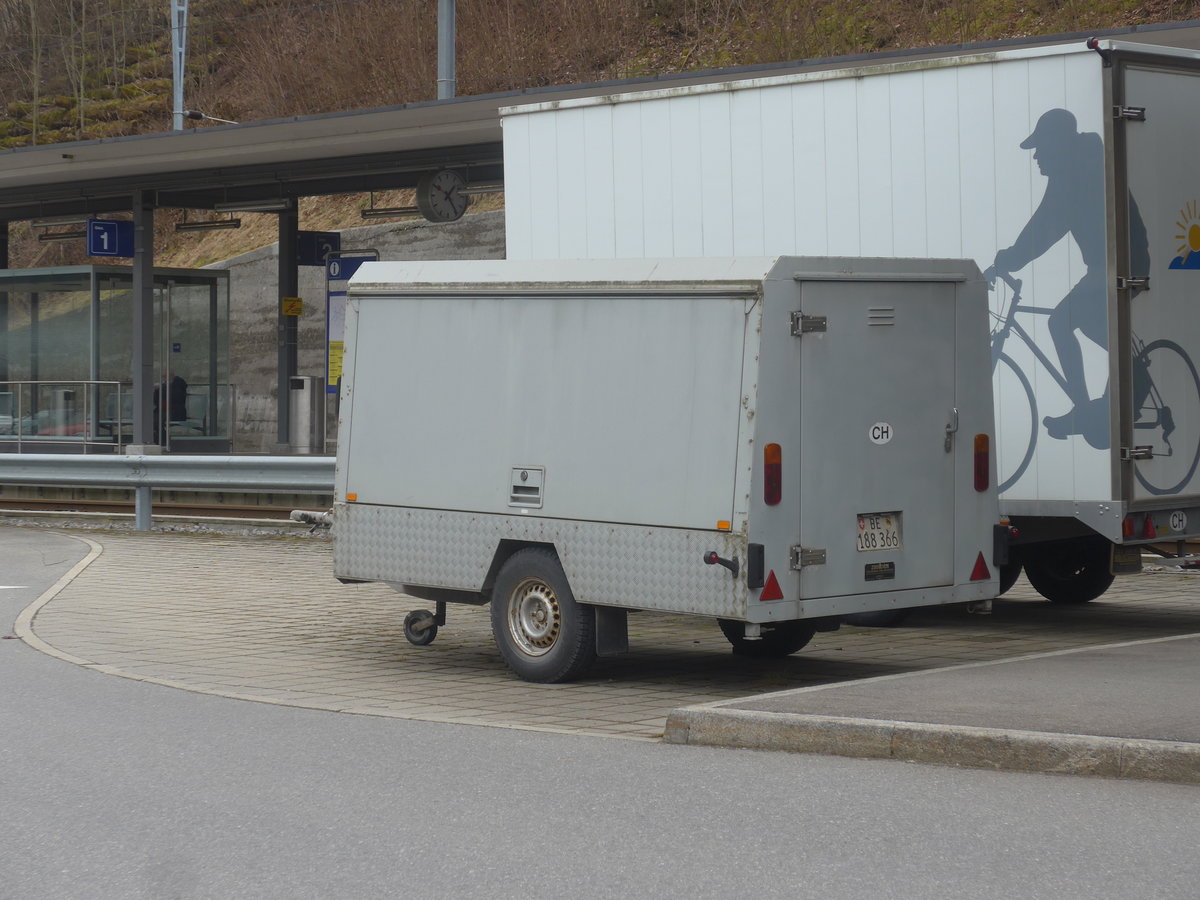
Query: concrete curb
(944,745)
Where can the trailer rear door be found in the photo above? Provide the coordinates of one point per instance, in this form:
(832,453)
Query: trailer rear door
(877,392)
(1158,116)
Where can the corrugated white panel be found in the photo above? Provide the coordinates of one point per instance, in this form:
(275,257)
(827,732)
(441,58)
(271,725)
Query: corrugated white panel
(518,193)
(570,189)
(628,187)
(811,189)
(914,163)
(779,167)
(658,213)
(875,223)
(600,185)
(749,184)
(943,155)
(906,170)
(686,179)
(841,167)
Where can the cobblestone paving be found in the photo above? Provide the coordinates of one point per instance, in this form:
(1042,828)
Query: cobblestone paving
(262,619)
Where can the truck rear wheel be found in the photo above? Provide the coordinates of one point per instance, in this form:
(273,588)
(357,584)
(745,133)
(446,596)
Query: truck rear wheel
(1070,572)
(777,641)
(542,633)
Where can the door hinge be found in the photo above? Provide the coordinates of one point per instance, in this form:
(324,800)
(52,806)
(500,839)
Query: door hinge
(951,430)
(802,324)
(807,556)
(1132,113)
(1142,451)
(1133,282)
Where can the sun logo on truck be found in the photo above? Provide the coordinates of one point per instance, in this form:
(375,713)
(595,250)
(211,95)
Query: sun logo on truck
(1189,234)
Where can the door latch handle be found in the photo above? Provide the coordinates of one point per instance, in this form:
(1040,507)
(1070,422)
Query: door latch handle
(951,429)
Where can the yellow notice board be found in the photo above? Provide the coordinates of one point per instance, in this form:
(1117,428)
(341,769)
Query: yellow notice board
(335,362)
(291,306)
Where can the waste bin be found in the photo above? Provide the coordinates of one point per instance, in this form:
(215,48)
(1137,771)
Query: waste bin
(306,414)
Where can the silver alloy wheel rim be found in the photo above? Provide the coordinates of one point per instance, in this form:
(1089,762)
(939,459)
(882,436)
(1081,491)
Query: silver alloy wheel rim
(534,617)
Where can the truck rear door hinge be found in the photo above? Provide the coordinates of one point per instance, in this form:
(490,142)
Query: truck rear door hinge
(1142,451)
(807,556)
(802,324)
(1132,113)
(1133,282)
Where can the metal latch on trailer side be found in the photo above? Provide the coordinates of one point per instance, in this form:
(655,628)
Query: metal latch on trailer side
(1131,113)
(807,556)
(802,324)
(1133,283)
(1142,451)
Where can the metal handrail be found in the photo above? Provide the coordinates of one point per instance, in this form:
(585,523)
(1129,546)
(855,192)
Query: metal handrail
(294,474)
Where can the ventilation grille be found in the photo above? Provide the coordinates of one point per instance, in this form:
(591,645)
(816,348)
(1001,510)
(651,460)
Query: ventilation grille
(881,315)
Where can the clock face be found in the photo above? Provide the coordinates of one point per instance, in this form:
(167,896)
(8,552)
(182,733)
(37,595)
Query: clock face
(440,197)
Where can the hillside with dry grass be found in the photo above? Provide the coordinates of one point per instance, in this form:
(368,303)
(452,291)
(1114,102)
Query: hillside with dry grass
(85,69)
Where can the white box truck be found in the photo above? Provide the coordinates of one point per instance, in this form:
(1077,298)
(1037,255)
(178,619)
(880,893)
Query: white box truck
(770,443)
(1068,173)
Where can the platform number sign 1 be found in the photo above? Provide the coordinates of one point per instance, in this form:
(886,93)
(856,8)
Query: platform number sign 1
(110,237)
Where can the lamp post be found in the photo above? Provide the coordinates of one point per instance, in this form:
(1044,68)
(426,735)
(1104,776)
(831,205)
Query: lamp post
(179,12)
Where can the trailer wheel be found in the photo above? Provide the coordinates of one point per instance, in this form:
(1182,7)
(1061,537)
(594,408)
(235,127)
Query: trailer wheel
(1009,573)
(420,627)
(542,633)
(777,641)
(1070,572)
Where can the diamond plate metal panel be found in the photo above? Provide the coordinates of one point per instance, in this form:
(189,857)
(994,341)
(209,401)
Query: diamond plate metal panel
(633,566)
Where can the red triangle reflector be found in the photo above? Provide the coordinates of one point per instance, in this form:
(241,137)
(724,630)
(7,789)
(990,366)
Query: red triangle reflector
(980,572)
(771,590)
(1148,530)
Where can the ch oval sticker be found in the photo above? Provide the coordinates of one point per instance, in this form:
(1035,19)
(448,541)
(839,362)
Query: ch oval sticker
(881,433)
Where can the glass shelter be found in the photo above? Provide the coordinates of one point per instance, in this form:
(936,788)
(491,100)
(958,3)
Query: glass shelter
(66,359)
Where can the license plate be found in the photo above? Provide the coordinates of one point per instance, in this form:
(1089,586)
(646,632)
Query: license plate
(878,531)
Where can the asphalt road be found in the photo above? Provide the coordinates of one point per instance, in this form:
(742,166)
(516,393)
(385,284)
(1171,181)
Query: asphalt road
(111,788)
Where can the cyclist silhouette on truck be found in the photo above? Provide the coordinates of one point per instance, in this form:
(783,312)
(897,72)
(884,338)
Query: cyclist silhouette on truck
(1074,204)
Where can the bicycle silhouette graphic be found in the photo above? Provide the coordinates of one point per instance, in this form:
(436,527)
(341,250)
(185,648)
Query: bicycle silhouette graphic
(1166,426)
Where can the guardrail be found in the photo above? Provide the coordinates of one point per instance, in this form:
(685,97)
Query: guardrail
(294,474)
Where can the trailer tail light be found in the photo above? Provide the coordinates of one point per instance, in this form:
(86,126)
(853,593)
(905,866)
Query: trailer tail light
(983,462)
(772,474)
(980,572)
(1128,528)
(1148,530)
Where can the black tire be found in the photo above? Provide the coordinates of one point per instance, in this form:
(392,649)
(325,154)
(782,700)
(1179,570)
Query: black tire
(1008,576)
(777,641)
(420,627)
(543,634)
(1070,572)
(880,618)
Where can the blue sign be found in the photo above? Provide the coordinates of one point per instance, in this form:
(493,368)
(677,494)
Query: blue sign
(340,268)
(314,247)
(110,237)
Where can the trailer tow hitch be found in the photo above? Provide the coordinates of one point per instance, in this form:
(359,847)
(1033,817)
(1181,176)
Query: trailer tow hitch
(711,558)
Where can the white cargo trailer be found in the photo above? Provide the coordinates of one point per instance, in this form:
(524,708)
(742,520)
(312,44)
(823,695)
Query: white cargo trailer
(1068,173)
(770,443)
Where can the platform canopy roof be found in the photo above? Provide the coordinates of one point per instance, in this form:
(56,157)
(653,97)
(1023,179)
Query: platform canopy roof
(347,152)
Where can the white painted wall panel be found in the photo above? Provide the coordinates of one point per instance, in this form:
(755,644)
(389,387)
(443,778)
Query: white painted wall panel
(875,223)
(686,179)
(571,140)
(716,170)
(600,186)
(925,162)
(628,182)
(778,168)
(906,171)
